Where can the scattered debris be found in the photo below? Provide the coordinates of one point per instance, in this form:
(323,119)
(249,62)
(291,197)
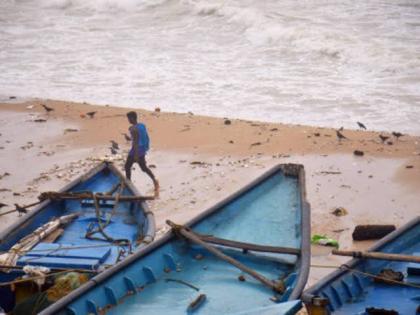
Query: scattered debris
(12,97)
(152,166)
(70,130)
(390,143)
(157,109)
(275,299)
(199,257)
(274,129)
(409,166)
(358,153)
(199,163)
(340,211)
(39,120)
(317,134)
(329,172)
(29,106)
(231,141)
(255,144)
(324,240)
(4,190)
(227,122)
(241,278)
(371,232)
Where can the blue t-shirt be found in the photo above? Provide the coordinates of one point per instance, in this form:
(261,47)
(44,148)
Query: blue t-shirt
(143,141)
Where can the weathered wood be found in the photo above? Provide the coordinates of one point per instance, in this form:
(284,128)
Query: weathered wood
(81,196)
(248,246)
(371,231)
(377,255)
(190,235)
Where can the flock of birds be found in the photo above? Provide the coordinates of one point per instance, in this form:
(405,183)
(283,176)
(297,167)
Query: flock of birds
(340,136)
(383,138)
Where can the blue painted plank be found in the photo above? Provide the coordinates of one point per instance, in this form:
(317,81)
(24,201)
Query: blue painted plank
(59,262)
(52,250)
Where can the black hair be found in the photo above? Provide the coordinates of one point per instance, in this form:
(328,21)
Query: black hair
(132,115)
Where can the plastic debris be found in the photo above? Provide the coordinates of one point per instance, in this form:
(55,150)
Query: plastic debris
(324,241)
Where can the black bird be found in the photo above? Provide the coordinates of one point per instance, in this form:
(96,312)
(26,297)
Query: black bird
(20,210)
(2,205)
(47,109)
(114,145)
(340,136)
(383,138)
(361,125)
(126,137)
(397,134)
(91,114)
(113,151)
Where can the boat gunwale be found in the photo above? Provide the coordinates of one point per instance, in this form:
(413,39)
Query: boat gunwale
(80,179)
(290,169)
(312,291)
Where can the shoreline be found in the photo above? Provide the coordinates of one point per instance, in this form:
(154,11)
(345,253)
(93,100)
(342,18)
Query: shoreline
(374,188)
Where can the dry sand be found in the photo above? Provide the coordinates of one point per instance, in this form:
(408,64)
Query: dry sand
(376,188)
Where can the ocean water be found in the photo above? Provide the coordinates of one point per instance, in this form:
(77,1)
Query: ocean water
(327,63)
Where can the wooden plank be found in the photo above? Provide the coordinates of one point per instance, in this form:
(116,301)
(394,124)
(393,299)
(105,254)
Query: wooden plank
(249,246)
(277,286)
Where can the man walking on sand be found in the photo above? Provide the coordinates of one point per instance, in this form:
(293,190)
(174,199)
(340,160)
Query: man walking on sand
(139,148)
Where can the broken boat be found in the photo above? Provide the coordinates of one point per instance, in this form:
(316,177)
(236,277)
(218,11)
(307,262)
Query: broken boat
(384,280)
(91,224)
(248,254)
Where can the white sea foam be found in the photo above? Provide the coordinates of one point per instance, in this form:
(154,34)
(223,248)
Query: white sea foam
(321,62)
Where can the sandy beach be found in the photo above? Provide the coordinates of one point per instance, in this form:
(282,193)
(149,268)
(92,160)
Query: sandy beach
(42,151)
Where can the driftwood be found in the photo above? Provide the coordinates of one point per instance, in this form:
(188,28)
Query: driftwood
(248,246)
(190,235)
(371,232)
(377,255)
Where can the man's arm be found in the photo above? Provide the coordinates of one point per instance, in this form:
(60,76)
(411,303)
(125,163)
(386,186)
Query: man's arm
(135,141)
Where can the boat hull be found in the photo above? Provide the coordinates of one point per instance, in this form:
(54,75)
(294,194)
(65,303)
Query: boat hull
(351,289)
(131,221)
(170,273)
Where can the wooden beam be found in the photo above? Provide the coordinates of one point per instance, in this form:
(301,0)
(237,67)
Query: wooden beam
(377,255)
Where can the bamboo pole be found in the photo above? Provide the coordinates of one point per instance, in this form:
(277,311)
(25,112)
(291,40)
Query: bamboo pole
(377,255)
(248,246)
(76,196)
(190,235)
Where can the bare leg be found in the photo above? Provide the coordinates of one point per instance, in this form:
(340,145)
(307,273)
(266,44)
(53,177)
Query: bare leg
(128,165)
(144,168)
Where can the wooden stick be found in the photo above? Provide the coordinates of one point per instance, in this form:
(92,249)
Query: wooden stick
(75,196)
(51,269)
(190,235)
(248,246)
(377,255)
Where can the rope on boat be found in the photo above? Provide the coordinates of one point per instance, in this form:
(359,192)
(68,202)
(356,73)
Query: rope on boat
(367,274)
(183,282)
(3,284)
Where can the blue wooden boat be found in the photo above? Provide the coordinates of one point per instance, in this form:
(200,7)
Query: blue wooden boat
(353,290)
(173,276)
(127,226)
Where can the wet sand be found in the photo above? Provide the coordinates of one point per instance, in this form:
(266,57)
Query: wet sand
(374,188)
